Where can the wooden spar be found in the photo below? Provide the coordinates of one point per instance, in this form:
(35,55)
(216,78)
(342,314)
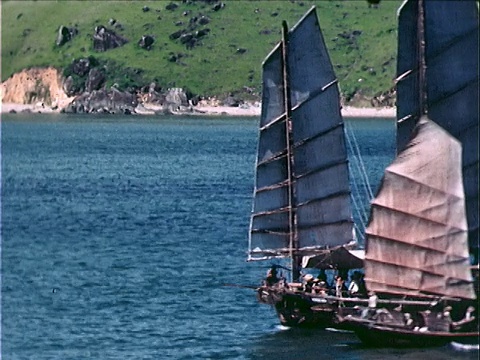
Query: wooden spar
(365,301)
(293,237)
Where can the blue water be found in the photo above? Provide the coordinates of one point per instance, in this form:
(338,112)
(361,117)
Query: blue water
(118,234)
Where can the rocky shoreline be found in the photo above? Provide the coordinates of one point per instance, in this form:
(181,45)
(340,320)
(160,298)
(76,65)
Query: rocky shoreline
(45,90)
(250,110)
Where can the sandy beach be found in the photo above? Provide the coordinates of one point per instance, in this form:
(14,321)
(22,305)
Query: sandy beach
(246,110)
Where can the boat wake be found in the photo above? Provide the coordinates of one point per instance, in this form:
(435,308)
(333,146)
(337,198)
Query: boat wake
(282,327)
(339,330)
(465,347)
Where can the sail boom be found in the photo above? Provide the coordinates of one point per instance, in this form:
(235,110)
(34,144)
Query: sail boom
(394,211)
(286,251)
(321,168)
(425,269)
(319,134)
(275,121)
(307,227)
(418,246)
(270,231)
(329,196)
(271,187)
(314,94)
(274,157)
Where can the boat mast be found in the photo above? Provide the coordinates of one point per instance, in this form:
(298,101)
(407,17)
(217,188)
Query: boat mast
(422,66)
(293,236)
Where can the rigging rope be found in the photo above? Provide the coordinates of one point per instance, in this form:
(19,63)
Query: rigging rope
(357,197)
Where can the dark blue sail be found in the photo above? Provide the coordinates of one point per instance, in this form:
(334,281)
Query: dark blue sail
(302,170)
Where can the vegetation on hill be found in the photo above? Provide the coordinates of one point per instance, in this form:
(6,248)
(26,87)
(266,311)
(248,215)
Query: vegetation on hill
(227,59)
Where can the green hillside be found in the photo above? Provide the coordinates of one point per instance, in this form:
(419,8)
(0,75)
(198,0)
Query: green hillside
(361,41)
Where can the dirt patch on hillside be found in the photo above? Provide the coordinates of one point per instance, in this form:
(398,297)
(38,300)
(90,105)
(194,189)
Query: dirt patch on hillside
(33,86)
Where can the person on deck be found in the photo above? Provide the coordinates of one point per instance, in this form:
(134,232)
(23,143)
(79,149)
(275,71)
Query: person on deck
(353,288)
(308,283)
(372,305)
(272,277)
(340,287)
(408,321)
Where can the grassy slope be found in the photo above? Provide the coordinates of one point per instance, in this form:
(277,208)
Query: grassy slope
(29,30)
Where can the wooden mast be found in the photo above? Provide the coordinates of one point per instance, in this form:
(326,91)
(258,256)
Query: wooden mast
(422,66)
(293,236)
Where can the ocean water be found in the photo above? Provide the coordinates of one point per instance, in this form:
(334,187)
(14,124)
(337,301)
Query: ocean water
(119,233)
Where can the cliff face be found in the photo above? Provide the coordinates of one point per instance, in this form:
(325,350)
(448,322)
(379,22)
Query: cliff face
(36,85)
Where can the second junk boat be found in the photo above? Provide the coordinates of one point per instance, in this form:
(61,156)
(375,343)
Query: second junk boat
(302,206)
(424,218)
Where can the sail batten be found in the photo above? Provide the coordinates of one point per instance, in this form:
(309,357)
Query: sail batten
(275,121)
(318,166)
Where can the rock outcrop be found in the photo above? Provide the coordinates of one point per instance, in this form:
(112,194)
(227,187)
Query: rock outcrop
(105,39)
(146,42)
(65,34)
(111,101)
(36,85)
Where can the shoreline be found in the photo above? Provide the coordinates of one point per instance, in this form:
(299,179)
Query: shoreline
(202,110)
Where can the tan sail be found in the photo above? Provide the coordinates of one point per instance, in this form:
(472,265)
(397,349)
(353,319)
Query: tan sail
(417,236)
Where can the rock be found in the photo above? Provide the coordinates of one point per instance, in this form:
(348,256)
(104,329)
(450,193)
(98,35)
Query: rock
(69,87)
(81,67)
(176,97)
(241,51)
(145,9)
(201,33)
(112,22)
(172,6)
(185,38)
(146,42)
(218,6)
(203,20)
(176,34)
(95,80)
(65,34)
(102,101)
(153,88)
(373,3)
(122,102)
(105,39)
(231,101)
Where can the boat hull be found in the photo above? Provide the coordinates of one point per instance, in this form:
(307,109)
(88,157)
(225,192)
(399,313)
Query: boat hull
(298,309)
(384,336)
